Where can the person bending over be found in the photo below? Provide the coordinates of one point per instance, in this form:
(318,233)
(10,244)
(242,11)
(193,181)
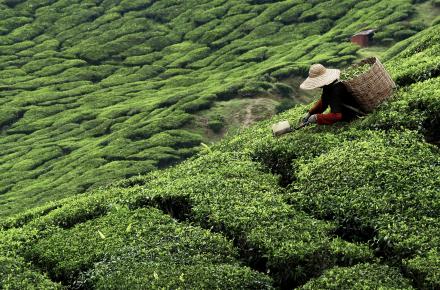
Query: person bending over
(343,106)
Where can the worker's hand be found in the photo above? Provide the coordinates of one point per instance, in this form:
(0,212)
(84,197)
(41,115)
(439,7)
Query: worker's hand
(313,119)
(304,119)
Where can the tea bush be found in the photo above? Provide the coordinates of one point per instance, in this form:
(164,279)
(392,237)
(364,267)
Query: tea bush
(415,107)
(248,210)
(130,273)
(418,60)
(375,193)
(98,243)
(115,89)
(217,123)
(126,55)
(16,274)
(361,276)
(285,105)
(425,268)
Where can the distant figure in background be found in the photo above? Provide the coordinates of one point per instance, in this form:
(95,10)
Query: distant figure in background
(343,106)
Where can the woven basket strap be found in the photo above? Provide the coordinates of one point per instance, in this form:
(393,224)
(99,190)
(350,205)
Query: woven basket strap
(354,110)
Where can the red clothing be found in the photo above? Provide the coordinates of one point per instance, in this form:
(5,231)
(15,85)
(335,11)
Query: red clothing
(328,119)
(324,119)
(334,96)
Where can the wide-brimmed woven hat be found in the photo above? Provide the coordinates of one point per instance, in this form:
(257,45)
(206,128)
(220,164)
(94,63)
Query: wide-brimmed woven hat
(320,76)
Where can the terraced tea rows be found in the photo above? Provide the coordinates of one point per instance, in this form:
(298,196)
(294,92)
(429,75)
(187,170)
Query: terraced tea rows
(344,206)
(97,90)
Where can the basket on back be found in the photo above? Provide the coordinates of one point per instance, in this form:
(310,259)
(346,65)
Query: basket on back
(373,87)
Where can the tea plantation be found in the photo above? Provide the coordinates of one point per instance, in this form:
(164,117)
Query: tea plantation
(115,89)
(92,91)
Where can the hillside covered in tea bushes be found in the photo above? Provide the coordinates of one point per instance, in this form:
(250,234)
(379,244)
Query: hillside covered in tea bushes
(349,206)
(92,91)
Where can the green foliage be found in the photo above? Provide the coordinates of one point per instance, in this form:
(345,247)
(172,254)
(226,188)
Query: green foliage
(92,59)
(8,116)
(285,104)
(354,71)
(403,34)
(284,89)
(258,54)
(16,274)
(99,251)
(424,269)
(384,184)
(166,273)
(231,195)
(216,123)
(293,13)
(114,90)
(419,59)
(361,276)
(415,107)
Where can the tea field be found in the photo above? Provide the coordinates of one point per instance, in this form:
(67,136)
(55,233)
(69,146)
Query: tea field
(93,91)
(349,206)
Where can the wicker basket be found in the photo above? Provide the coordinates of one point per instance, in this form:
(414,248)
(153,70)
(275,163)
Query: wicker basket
(373,87)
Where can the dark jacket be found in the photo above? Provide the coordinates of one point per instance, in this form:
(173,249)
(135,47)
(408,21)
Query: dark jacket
(335,96)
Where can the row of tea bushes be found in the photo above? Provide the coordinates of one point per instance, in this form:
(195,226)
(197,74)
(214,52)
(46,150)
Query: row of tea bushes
(415,107)
(117,236)
(419,59)
(414,64)
(227,193)
(219,191)
(361,276)
(100,79)
(17,274)
(380,187)
(146,244)
(387,183)
(122,248)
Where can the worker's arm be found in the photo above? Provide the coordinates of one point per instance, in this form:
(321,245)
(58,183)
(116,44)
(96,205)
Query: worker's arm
(318,107)
(333,95)
(328,119)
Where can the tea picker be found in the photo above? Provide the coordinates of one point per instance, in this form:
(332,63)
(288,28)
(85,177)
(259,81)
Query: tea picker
(362,88)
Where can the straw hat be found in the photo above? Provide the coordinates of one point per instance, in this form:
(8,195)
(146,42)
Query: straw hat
(320,76)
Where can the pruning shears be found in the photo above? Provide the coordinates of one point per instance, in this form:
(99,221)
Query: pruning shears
(299,127)
(284,127)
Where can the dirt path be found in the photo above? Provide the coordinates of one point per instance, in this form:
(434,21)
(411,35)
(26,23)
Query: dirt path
(249,117)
